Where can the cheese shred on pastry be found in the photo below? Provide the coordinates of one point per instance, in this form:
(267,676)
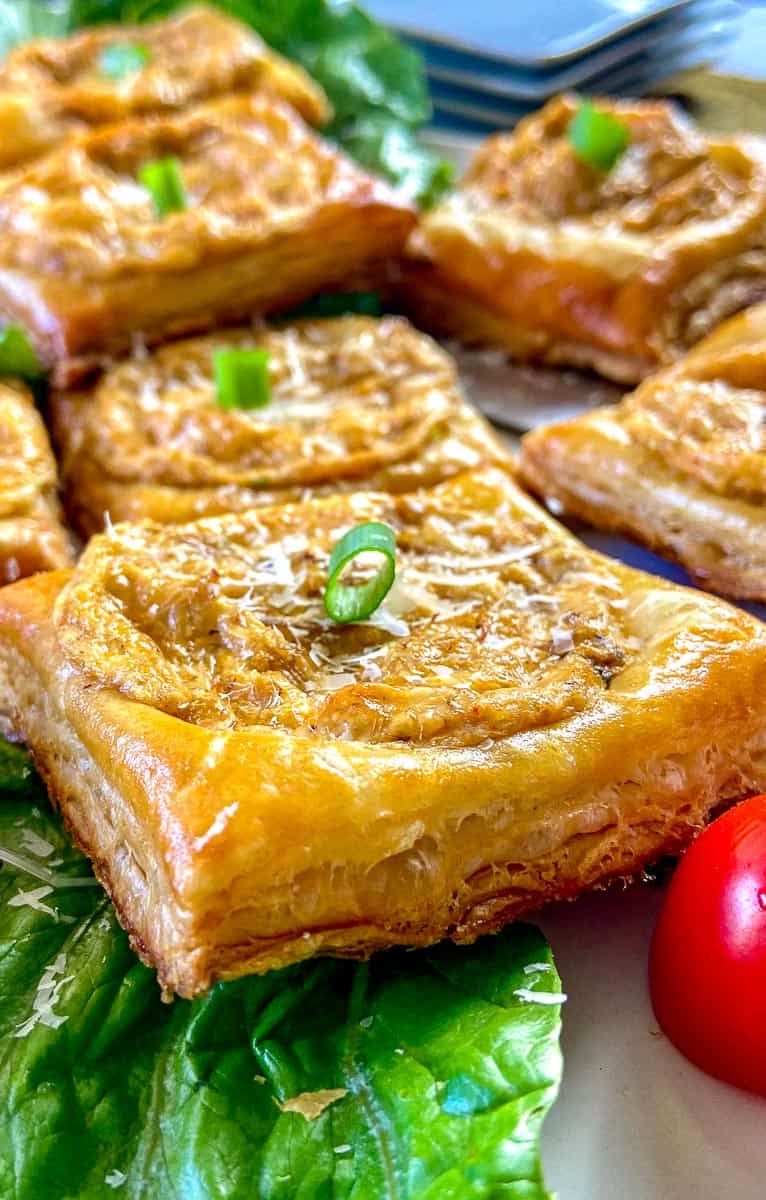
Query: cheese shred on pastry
(680,464)
(540,253)
(195,55)
(32,537)
(272,215)
(520,720)
(353,401)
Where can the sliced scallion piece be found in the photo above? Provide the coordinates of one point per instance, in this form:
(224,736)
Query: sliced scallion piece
(356,602)
(163,180)
(17,357)
(241,378)
(122,59)
(597,137)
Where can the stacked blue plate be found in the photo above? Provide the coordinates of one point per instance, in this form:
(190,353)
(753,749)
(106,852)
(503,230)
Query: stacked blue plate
(491,61)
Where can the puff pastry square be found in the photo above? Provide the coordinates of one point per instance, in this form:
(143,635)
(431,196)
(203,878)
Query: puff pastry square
(521,720)
(32,537)
(680,464)
(355,402)
(195,55)
(273,215)
(539,253)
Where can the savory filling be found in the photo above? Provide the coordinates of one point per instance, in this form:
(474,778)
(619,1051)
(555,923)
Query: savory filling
(247,166)
(708,424)
(496,623)
(343,398)
(115,71)
(668,174)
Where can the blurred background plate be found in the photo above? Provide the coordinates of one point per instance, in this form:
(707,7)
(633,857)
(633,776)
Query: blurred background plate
(677,33)
(525,35)
(485,114)
(460,102)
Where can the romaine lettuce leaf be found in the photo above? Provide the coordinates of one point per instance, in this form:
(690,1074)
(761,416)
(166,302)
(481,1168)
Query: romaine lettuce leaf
(440,1065)
(365,70)
(17,773)
(336,304)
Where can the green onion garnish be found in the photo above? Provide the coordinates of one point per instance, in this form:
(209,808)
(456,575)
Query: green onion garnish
(356,602)
(17,356)
(241,378)
(163,180)
(122,59)
(597,137)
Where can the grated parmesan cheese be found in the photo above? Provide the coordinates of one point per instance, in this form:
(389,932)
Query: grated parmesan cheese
(34,899)
(384,619)
(330,682)
(540,997)
(42,872)
(32,842)
(47,996)
(562,640)
(311,1105)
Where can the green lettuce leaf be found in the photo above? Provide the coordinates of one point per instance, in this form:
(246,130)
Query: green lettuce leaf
(366,71)
(440,1064)
(17,772)
(336,304)
(392,148)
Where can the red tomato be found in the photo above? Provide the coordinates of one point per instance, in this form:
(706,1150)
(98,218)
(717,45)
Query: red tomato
(707,967)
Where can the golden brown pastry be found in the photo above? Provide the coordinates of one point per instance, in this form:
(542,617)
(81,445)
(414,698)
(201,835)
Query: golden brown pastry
(520,720)
(558,262)
(27,128)
(273,215)
(680,464)
(354,401)
(32,537)
(195,55)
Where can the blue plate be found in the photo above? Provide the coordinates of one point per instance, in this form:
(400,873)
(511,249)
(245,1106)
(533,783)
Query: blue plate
(535,35)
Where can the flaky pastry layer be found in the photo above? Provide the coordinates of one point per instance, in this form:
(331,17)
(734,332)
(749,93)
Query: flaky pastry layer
(354,401)
(255,787)
(539,253)
(32,537)
(680,464)
(273,214)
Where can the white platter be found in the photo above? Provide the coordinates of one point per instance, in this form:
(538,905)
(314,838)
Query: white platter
(635,1121)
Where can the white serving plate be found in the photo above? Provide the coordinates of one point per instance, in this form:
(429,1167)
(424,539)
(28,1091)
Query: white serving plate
(635,1120)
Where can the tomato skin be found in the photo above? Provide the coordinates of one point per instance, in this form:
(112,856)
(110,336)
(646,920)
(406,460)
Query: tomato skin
(707,964)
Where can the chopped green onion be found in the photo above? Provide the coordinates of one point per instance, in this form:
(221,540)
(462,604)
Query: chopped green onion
(17,356)
(122,59)
(597,137)
(356,602)
(241,378)
(163,180)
